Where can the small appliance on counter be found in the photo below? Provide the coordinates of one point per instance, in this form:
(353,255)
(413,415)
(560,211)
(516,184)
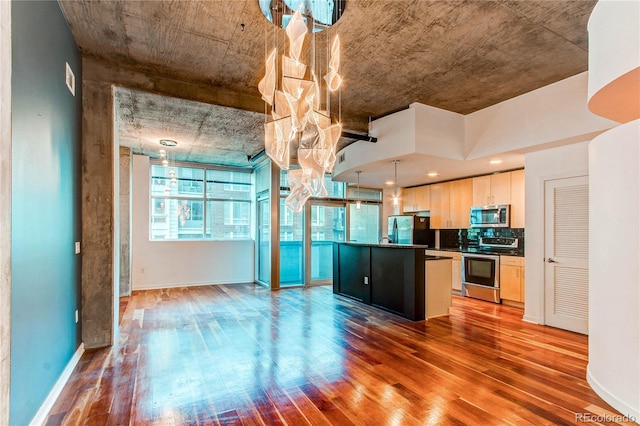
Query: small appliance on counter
(490,216)
(409,229)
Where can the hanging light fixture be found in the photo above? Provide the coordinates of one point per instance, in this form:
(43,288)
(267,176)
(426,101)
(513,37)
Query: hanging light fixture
(165,159)
(395,182)
(294,94)
(358,193)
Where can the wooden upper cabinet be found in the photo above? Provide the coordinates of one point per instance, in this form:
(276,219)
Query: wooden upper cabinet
(450,203)
(439,205)
(416,199)
(408,200)
(461,197)
(492,189)
(517,199)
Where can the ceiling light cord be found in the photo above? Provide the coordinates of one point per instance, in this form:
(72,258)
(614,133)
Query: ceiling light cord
(358,203)
(395,182)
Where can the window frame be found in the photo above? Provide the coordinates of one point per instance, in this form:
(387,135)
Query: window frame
(205,197)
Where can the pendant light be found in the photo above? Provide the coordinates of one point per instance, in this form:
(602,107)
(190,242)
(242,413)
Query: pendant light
(292,89)
(358,193)
(395,182)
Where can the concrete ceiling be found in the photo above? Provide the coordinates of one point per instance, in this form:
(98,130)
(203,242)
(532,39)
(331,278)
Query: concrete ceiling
(205,133)
(461,56)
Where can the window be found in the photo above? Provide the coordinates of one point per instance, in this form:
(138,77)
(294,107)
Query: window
(287,215)
(317,236)
(238,185)
(199,203)
(317,216)
(287,236)
(236,213)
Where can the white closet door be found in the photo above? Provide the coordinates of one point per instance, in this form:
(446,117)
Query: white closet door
(567,253)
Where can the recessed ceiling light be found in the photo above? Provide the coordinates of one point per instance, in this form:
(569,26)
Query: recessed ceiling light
(432,174)
(495,161)
(389,182)
(168,142)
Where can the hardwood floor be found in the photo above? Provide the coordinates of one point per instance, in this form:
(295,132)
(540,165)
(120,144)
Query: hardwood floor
(239,354)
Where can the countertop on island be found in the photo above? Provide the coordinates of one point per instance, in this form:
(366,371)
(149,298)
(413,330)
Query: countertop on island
(390,245)
(400,246)
(475,250)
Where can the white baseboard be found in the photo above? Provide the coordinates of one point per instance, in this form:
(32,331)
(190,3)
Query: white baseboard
(43,412)
(191,284)
(532,320)
(633,413)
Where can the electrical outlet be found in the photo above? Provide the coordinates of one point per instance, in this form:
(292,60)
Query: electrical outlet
(77,247)
(76,316)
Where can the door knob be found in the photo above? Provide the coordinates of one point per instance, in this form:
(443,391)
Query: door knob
(550,260)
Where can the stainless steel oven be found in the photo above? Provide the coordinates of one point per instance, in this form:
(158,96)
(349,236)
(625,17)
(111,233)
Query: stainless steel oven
(481,276)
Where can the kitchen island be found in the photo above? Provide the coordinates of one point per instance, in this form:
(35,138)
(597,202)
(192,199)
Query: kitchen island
(398,278)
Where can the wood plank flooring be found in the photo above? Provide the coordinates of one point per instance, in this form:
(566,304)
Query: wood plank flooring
(239,354)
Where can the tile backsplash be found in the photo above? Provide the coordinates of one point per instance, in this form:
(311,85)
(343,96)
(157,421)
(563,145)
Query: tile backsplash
(450,238)
(456,238)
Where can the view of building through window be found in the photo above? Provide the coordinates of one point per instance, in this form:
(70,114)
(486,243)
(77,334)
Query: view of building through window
(327,224)
(199,203)
(211,203)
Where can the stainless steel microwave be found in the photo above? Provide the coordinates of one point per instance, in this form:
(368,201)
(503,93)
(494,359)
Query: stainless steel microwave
(490,216)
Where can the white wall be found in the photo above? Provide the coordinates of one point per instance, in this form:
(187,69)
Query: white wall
(614,267)
(439,132)
(614,50)
(5,209)
(551,116)
(614,203)
(555,163)
(554,114)
(159,264)
(396,137)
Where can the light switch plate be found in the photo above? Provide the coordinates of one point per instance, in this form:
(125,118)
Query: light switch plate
(77,246)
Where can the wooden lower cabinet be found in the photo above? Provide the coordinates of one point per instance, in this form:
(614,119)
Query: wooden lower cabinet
(456,267)
(512,280)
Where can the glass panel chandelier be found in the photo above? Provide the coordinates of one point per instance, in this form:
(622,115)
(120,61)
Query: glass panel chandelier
(298,122)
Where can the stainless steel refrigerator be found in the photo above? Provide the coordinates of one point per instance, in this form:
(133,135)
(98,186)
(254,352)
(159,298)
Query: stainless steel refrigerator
(409,229)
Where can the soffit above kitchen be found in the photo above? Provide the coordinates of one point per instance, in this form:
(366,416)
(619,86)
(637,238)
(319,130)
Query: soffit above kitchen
(460,56)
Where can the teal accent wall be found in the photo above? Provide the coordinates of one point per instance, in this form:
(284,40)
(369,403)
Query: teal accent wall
(45,221)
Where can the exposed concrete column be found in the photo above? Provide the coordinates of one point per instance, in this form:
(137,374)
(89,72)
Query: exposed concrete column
(125,220)
(98,290)
(5,209)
